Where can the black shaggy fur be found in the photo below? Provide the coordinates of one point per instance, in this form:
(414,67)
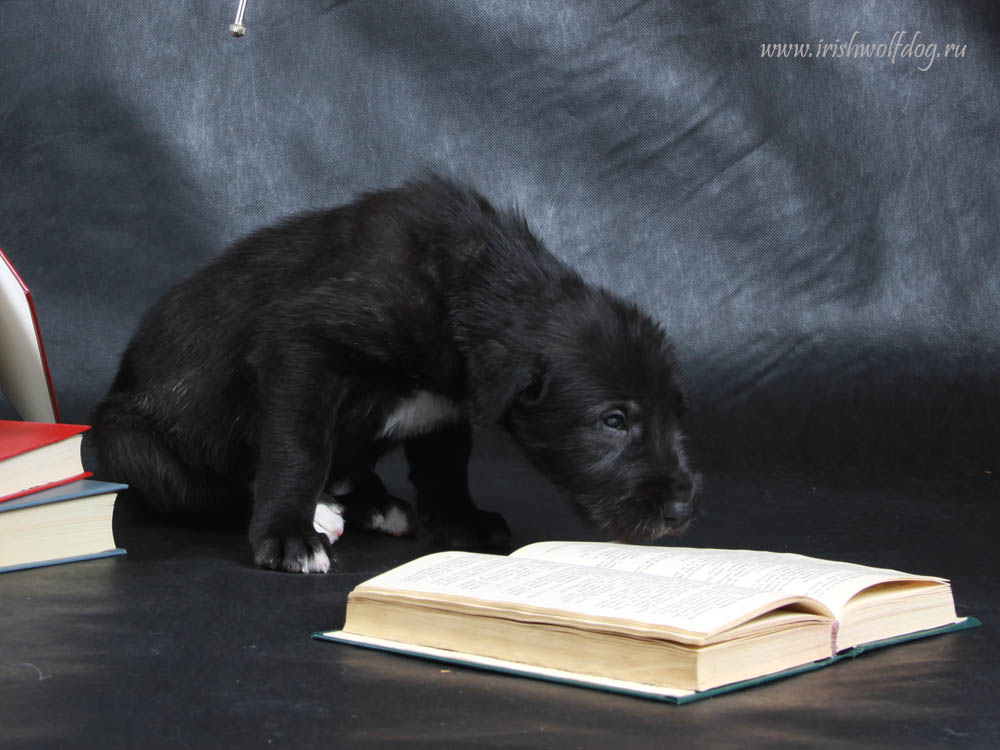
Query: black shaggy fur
(266,379)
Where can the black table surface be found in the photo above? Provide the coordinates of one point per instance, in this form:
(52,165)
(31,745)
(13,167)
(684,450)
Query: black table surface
(184,643)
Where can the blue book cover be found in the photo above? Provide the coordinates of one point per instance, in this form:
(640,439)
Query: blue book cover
(74,491)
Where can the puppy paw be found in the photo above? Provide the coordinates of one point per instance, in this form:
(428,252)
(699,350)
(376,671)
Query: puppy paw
(305,552)
(329,520)
(393,517)
(479,529)
(380,513)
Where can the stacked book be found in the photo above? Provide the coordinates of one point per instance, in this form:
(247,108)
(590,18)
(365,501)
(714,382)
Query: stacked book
(50,512)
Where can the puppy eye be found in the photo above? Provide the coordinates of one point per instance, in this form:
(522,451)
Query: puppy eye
(615,420)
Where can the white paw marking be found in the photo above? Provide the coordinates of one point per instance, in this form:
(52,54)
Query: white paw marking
(317,562)
(394,522)
(419,413)
(329,519)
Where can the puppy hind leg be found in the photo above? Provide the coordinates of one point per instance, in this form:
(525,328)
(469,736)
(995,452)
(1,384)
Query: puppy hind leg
(162,483)
(439,463)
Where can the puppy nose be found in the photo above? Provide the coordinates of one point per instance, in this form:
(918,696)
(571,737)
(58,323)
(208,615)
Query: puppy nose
(680,506)
(677,511)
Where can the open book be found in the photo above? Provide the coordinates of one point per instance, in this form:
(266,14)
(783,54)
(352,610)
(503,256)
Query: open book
(659,621)
(24,371)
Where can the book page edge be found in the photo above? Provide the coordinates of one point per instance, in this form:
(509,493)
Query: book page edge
(502,665)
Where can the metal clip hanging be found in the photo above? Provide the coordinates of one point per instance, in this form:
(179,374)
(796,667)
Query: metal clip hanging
(236,28)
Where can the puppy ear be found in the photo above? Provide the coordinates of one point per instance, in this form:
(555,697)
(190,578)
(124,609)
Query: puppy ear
(498,378)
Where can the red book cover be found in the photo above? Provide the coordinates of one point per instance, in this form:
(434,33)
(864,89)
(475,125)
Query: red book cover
(20,438)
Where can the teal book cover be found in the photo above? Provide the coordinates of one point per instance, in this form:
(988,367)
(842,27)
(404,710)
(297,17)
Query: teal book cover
(623,687)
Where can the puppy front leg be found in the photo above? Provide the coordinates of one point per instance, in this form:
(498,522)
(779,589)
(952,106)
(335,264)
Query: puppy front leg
(287,488)
(439,464)
(288,530)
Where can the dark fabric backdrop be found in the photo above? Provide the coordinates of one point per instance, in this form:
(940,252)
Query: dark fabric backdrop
(818,235)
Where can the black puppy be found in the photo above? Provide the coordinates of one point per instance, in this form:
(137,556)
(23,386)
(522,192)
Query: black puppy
(273,379)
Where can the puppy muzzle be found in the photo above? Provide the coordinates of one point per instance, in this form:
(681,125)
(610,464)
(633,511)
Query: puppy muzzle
(677,498)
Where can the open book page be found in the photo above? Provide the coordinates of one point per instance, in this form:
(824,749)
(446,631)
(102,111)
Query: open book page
(23,378)
(529,585)
(832,583)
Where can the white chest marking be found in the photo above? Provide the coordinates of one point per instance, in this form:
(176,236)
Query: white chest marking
(419,413)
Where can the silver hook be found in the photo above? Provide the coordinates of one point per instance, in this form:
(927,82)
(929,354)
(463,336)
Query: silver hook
(236,28)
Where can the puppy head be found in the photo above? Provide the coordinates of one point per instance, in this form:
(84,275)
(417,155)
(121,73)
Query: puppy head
(596,407)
